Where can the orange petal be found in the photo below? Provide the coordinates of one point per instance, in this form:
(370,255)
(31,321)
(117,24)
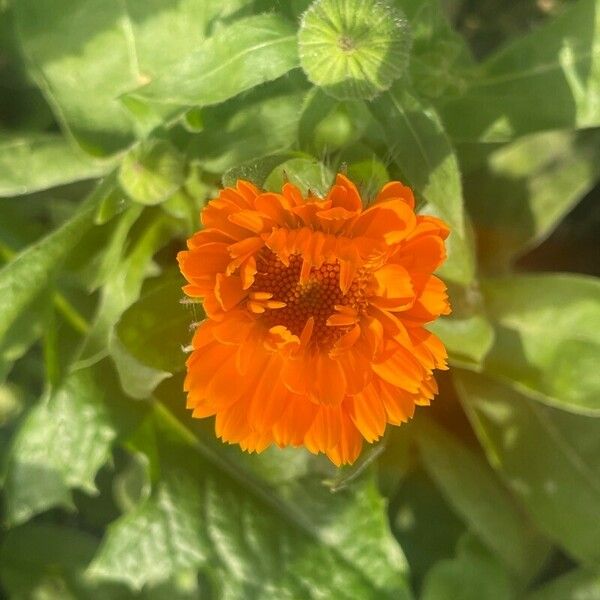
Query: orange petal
(368,414)
(229,291)
(349,446)
(396,190)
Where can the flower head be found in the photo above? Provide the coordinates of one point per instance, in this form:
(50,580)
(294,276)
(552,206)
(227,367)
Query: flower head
(315,316)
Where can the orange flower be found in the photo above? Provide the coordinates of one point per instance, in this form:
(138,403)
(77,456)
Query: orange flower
(315,316)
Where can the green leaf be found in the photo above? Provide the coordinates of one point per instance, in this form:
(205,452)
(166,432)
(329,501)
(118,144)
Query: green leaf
(152,171)
(112,46)
(474,574)
(237,132)
(467,339)
(354,49)
(137,379)
(557,481)
(415,506)
(419,146)
(307,174)
(124,284)
(33,162)
(241,56)
(61,445)
(22,279)
(547,338)
(480,498)
(526,188)
(579,584)
(467,333)
(509,94)
(38,558)
(440,55)
(256,170)
(157,327)
(254,542)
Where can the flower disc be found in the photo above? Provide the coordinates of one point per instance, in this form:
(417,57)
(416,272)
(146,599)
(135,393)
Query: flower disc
(353,48)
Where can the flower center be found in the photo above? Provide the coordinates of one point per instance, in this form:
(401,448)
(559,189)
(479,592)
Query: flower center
(316,297)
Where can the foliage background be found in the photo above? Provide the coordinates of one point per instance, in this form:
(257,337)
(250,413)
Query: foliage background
(109,490)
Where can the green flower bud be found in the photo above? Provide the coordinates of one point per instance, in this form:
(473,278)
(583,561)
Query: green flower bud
(353,48)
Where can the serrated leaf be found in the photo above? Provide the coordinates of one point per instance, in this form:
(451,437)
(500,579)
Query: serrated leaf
(61,445)
(300,542)
(557,481)
(243,55)
(526,188)
(547,338)
(479,497)
(34,162)
(420,148)
(508,95)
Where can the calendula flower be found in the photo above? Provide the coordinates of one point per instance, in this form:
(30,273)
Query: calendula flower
(315,310)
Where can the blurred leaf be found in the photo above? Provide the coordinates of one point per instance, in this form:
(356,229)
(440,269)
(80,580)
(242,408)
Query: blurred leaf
(152,171)
(317,105)
(61,445)
(132,485)
(113,204)
(419,146)
(138,380)
(124,285)
(236,132)
(31,271)
(547,471)
(474,574)
(23,332)
(579,584)
(468,340)
(509,94)
(243,55)
(527,187)
(256,170)
(426,527)
(547,338)
(215,517)
(467,333)
(33,162)
(440,55)
(43,557)
(368,172)
(479,497)
(157,327)
(307,174)
(112,46)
